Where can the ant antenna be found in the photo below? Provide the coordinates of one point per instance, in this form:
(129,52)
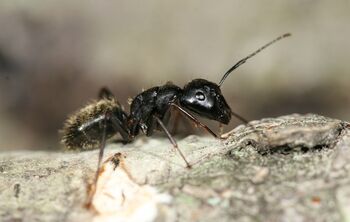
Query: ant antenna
(242,61)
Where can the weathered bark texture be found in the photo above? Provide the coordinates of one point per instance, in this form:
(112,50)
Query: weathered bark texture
(292,168)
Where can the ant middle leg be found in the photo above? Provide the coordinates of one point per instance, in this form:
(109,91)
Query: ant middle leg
(172,140)
(177,120)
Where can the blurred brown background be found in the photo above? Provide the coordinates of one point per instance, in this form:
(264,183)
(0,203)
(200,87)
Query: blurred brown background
(55,55)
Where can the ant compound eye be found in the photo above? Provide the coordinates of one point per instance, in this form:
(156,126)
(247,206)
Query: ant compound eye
(200,96)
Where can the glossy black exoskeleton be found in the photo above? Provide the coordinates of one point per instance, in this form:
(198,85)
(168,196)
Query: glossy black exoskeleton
(150,110)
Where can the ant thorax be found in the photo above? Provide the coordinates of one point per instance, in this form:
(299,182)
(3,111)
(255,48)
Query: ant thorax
(155,101)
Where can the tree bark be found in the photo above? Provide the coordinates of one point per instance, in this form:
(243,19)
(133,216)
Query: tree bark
(291,168)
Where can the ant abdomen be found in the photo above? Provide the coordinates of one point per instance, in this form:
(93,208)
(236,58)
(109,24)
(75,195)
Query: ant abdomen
(83,129)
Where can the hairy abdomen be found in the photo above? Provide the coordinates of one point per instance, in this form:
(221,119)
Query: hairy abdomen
(83,130)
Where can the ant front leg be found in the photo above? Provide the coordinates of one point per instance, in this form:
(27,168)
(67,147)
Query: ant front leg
(243,120)
(221,126)
(172,140)
(221,129)
(192,118)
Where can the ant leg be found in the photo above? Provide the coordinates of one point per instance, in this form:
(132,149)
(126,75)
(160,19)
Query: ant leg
(116,123)
(239,117)
(176,122)
(100,156)
(151,127)
(105,93)
(118,126)
(221,129)
(172,140)
(90,123)
(191,117)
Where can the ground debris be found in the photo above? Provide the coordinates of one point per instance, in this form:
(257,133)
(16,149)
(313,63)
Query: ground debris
(118,198)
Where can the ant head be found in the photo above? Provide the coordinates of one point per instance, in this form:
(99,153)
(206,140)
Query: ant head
(205,98)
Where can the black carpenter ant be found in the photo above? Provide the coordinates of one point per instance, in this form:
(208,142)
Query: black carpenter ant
(150,110)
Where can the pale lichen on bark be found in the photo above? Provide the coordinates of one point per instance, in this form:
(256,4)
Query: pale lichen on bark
(291,168)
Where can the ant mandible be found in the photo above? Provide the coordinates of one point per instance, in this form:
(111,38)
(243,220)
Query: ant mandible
(149,110)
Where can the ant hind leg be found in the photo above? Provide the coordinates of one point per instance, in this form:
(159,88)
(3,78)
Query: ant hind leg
(105,93)
(118,126)
(100,156)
